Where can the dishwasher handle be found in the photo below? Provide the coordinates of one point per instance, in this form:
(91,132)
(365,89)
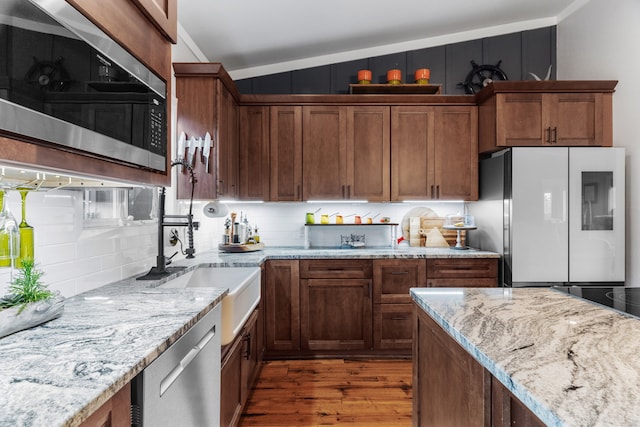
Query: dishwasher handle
(168,381)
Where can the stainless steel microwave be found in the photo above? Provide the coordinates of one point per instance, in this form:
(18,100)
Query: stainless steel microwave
(64,81)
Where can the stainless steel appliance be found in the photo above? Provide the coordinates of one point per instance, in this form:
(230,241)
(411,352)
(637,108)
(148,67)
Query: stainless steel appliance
(182,386)
(626,300)
(64,81)
(555,214)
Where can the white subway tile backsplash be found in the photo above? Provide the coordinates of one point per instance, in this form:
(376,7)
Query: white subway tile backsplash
(76,259)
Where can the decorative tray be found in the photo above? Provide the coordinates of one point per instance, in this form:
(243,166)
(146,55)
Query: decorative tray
(241,247)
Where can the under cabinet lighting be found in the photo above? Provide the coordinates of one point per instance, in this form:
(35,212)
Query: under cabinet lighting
(337,201)
(433,201)
(241,202)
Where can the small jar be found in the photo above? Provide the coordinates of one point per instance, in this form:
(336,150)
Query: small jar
(310,218)
(339,219)
(357,220)
(394,77)
(324,219)
(422,76)
(364,77)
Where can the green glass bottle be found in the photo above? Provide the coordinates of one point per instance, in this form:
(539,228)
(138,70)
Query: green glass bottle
(5,257)
(26,232)
(9,235)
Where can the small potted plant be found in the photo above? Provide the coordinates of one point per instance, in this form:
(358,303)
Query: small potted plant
(29,302)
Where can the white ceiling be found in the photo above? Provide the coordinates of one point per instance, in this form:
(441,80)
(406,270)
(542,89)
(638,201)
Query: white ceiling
(257,37)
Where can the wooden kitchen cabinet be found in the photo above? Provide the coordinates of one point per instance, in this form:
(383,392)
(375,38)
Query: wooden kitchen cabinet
(346,153)
(335,314)
(281,305)
(335,306)
(392,308)
(286,153)
(116,412)
(164,14)
(450,388)
(240,367)
(530,114)
(434,153)
(227,148)
(207,102)
(462,272)
(254,153)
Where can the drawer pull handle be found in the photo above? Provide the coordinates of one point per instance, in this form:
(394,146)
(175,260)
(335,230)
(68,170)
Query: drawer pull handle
(398,273)
(399,318)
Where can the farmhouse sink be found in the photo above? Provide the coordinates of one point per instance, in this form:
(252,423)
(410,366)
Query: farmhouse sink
(238,304)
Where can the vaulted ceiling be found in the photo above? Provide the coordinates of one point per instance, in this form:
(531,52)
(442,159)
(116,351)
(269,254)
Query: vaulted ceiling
(253,37)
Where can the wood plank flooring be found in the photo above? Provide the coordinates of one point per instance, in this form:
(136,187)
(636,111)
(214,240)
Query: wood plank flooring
(330,392)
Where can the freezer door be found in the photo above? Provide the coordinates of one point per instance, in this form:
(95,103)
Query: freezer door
(597,216)
(538,226)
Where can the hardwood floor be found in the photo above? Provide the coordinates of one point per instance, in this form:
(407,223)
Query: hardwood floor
(331,392)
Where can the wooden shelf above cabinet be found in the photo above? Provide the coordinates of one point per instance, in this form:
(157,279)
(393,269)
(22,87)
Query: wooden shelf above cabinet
(388,89)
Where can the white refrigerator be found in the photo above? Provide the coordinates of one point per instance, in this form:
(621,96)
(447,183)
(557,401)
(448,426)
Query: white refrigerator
(556,214)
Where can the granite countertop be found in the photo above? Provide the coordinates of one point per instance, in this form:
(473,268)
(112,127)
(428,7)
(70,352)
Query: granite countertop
(59,373)
(249,259)
(572,362)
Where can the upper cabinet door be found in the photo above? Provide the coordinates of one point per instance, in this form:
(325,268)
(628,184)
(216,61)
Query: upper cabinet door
(412,151)
(286,153)
(368,153)
(324,152)
(519,119)
(580,119)
(227,144)
(164,14)
(254,153)
(456,153)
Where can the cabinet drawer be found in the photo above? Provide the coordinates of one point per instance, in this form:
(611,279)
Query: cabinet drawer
(461,268)
(335,269)
(393,278)
(393,326)
(472,282)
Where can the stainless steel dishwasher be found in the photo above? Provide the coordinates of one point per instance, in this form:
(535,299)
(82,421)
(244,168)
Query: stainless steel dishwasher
(182,386)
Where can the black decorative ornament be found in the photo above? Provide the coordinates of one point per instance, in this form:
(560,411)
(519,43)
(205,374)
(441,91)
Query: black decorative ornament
(481,75)
(48,75)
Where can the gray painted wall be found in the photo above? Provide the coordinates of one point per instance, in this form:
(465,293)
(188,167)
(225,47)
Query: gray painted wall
(520,53)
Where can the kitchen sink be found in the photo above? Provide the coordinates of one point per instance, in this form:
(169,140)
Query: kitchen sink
(238,304)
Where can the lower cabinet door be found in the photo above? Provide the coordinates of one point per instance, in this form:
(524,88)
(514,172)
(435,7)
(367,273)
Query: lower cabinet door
(231,385)
(336,314)
(250,354)
(393,327)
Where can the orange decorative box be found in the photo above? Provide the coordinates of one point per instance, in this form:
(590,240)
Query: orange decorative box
(364,77)
(422,76)
(394,77)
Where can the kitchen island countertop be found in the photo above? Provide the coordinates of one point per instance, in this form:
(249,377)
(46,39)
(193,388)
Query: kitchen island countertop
(570,361)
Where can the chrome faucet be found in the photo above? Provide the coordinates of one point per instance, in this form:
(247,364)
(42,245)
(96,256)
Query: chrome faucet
(160,270)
